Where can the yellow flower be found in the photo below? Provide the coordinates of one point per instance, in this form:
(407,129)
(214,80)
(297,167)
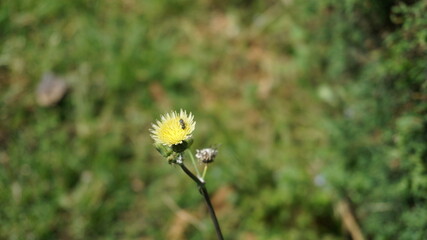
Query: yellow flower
(173,128)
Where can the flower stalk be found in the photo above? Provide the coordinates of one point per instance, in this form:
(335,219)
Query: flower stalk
(202,189)
(195,165)
(172,137)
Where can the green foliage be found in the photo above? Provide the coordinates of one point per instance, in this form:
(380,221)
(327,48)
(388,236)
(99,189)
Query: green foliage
(309,102)
(378,137)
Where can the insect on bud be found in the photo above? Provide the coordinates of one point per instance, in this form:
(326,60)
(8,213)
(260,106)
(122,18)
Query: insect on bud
(206,155)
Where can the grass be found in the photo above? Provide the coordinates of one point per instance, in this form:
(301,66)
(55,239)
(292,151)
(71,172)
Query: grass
(86,168)
(255,74)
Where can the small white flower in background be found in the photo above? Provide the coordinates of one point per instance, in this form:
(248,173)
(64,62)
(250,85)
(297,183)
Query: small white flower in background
(320,180)
(206,155)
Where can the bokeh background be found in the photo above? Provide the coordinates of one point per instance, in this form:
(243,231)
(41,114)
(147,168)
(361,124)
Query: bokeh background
(318,109)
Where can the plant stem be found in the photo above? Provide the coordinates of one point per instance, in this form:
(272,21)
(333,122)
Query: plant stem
(194,162)
(205,169)
(204,192)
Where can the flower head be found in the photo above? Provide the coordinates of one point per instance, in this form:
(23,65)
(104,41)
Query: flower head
(206,155)
(173,128)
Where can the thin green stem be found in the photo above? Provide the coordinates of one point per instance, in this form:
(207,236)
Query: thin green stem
(205,169)
(204,192)
(194,162)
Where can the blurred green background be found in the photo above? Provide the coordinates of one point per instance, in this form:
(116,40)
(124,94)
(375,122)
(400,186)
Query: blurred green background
(313,103)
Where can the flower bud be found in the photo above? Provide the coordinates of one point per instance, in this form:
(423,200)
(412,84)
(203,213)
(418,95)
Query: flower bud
(181,147)
(165,151)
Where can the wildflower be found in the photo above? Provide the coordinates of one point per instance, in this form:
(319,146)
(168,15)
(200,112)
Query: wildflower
(172,137)
(206,155)
(173,129)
